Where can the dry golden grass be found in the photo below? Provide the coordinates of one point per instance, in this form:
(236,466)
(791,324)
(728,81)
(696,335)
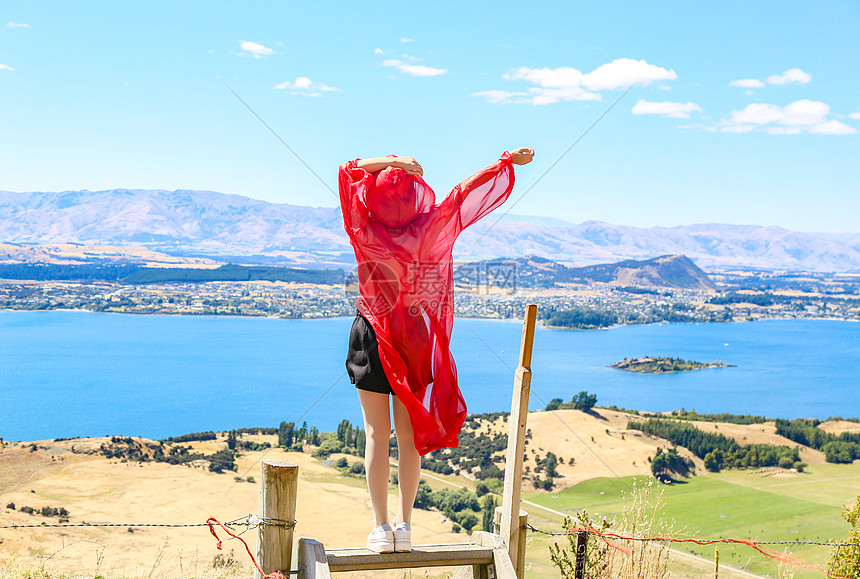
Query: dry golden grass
(837,427)
(331,508)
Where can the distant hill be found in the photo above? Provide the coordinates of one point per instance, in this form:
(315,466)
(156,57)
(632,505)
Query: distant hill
(206,223)
(233,272)
(670,271)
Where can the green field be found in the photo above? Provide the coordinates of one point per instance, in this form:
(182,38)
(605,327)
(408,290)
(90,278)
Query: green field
(732,504)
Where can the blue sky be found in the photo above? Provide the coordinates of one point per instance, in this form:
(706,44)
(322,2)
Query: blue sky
(740,112)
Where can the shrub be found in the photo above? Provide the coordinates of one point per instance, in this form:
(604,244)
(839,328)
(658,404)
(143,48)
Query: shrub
(327,447)
(222,460)
(845,561)
(786,462)
(554,404)
(357,468)
(468,521)
(584,401)
(628,558)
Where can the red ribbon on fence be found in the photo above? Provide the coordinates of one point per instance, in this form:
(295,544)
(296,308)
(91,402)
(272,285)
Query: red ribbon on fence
(784,558)
(210,520)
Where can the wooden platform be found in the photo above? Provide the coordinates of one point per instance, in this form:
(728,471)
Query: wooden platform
(475,560)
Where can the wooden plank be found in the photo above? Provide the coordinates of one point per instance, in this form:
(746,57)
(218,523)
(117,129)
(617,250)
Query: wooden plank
(312,560)
(442,555)
(278,488)
(510,531)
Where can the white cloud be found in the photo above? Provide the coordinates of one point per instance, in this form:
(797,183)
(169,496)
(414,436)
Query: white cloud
(747,83)
(6,67)
(625,72)
(305,86)
(254,49)
(802,116)
(414,69)
(377,51)
(737,128)
(16,25)
(855,116)
(498,96)
(789,76)
(569,84)
(833,127)
(404,40)
(666,109)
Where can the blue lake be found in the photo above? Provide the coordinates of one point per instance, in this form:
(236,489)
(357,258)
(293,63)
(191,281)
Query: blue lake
(67,374)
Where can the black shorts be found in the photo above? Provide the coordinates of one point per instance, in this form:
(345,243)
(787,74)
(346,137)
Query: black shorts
(362,359)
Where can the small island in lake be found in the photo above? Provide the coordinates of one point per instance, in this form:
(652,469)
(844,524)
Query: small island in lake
(663,365)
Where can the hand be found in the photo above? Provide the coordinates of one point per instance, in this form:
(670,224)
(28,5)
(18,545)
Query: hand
(409,164)
(522,156)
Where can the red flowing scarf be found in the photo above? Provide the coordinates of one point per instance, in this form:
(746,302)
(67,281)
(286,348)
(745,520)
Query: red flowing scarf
(403,242)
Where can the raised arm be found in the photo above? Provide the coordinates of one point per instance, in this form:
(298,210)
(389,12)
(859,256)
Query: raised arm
(354,179)
(478,195)
(408,164)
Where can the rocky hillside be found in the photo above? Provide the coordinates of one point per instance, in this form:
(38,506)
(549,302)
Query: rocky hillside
(670,271)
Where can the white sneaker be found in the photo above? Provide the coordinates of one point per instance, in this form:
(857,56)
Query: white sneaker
(403,538)
(381,539)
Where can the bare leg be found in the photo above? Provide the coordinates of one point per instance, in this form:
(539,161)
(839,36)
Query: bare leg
(377,426)
(409,462)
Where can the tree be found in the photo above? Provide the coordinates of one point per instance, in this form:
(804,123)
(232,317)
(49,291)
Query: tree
(231,440)
(714,460)
(488,512)
(584,401)
(424,496)
(286,432)
(360,441)
(481,489)
(314,436)
(343,430)
(838,452)
(669,463)
(554,404)
(549,464)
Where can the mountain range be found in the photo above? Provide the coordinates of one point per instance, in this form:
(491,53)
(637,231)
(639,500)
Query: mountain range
(207,223)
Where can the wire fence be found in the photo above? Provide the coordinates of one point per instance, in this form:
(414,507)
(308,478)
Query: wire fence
(611,539)
(248,521)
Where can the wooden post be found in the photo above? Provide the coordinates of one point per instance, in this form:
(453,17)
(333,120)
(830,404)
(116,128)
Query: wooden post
(278,486)
(520,561)
(510,530)
(581,550)
(717,562)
